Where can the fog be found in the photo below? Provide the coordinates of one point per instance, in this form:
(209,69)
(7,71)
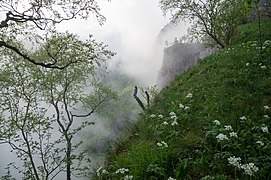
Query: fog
(131,30)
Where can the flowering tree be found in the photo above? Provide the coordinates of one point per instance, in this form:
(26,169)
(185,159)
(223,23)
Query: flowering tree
(216,20)
(33,20)
(41,108)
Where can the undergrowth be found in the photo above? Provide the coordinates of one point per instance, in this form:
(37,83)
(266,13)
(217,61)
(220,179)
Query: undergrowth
(212,122)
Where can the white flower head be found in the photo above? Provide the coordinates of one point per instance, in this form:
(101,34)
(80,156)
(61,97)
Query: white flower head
(186,108)
(221,137)
(128,177)
(165,144)
(265,129)
(228,128)
(266,107)
(189,95)
(165,123)
(152,116)
(181,106)
(174,123)
(260,143)
(250,168)
(235,161)
(247,64)
(266,116)
(172,114)
(243,118)
(263,67)
(233,134)
(170,178)
(216,122)
(162,143)
(159,144)
(160,116)
(122,171)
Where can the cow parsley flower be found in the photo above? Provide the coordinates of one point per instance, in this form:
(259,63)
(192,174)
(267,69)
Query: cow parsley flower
(165,123)
(162,143)
(128,177)
(249,168)
(174,123)
(170,178)
(122,171)
(221,137)
(186,108)
(266,107)
(228,128)
(159,144)
(189,95)
(260,143)
(265,129)
(235,161)
(172,114)
(216,122)
(152,116)
(233,134)
(243,118)
(181,106)
(266,116)
(160,116)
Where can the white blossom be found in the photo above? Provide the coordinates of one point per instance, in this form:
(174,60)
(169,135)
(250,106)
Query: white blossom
(221,137)
(266,116)
(243,118)
(186,108)
(265,129)
(162,143)
(233,134)
(165,123)
(260,143)
(235,161)
(152,116)
(216,122)
(249,168)
(181,106)
(228,128)
(159,144)
(189,95)
(170,178)
(172,114)
(174,123)
(128,177)
(160,116)
(122,170)
(247,64)
(266,107)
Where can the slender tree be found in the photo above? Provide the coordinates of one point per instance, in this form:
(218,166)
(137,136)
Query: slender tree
(41,108)
(216,21)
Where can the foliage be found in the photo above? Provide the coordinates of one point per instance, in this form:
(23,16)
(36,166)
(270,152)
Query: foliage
(41,107)
(213,21)
(32,21)
(178,135)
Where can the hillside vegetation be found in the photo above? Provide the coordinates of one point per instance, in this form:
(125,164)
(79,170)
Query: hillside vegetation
(212,122)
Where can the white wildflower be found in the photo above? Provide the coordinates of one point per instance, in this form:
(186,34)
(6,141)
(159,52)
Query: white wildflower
(233,134)
(228,128)
(186,108)
(165,123)
(159,144)
(221,137)
(165,144)
(265,129)
(152,116)
(247,64)
(216,122)
(170,178)
(243,118)
(122,171)
(260,143)
(98,171)
(235,161)
(266,116)
(127,177)
(181,106)
(189,95)
(162,143)
(249,168)
(160,116)
(263,67)
(172,114)
(266,107)
(174,123)
(104,172)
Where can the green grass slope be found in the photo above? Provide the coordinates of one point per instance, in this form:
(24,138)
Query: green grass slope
(212,122)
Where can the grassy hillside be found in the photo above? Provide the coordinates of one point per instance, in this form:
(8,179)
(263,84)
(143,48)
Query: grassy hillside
(212,122)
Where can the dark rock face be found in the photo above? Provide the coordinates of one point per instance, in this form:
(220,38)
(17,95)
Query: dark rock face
(179,58)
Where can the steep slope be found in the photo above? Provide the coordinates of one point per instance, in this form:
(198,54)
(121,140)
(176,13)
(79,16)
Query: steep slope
(212,122)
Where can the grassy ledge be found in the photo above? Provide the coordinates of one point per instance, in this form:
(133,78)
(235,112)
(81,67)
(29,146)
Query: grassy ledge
(212,122)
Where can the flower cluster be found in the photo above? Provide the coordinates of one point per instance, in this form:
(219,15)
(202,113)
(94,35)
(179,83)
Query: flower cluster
(128,177)
(249,168)
(216,122)
(221,137)
(170,178)
(161,144)
(265,129)
(122,171)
